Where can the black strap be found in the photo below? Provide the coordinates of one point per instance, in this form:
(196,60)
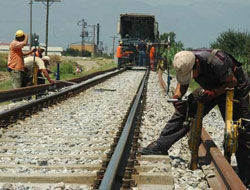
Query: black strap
(9,69)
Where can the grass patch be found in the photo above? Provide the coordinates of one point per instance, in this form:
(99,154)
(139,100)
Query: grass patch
(3,61)
(67,68)
(5,85)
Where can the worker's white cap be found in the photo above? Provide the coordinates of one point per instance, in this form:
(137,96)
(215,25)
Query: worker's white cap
(46,58)
(183,63)
(42,46)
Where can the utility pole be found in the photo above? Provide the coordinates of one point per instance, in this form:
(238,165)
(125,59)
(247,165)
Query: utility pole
(47,4)
(31,2)
(83,24)
(113,51)
(98,35)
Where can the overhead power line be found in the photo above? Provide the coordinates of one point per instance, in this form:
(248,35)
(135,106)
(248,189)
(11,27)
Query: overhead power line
(47,3)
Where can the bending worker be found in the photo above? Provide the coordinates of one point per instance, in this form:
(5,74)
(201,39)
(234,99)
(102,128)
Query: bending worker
(40,50)
(214,71)
(15,59)
(42,64)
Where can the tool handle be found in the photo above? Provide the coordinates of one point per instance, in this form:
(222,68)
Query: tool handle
(172,100)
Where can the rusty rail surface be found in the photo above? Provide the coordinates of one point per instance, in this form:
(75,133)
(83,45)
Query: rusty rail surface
(224,177)
(117,163)
(33,90)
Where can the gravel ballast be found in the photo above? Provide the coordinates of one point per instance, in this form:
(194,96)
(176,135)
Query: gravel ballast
(78,127)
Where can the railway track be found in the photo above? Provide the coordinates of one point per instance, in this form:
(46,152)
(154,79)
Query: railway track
(34,90)
(69,149)
(81,147)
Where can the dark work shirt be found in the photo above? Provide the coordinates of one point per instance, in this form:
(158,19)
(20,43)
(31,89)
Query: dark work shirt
(214,74)
(142,46)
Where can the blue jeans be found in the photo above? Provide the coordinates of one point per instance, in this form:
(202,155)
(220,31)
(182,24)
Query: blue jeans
(142,58)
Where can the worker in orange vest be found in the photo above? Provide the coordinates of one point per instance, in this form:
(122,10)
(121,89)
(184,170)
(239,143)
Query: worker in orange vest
(40,51)
(119,54)
(152,57)
(16,59)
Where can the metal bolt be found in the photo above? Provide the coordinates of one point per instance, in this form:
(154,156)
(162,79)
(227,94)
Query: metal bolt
(105,163)
(109,155)
(118,134)
(12,119)
(116,139)
(112,147)
(97,183)
(3,123)
(20,115)
(27,113)
(126,185)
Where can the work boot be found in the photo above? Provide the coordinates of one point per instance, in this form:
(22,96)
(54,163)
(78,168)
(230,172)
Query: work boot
(152,149)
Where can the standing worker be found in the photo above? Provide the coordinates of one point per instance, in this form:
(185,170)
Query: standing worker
(142,48)
(214,71)
(42,64)
(119,54)
(152,57)
(15,59)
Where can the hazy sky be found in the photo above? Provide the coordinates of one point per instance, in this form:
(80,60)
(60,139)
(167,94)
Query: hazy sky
(196,22)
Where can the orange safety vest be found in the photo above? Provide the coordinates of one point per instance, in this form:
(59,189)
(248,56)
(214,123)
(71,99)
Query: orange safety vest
(119,52)
(152,53)
(15,58)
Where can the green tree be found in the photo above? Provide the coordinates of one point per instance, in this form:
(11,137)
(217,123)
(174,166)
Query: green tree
(235,42)
(173,47)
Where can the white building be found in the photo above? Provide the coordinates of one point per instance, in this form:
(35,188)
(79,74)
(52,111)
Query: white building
(4,48)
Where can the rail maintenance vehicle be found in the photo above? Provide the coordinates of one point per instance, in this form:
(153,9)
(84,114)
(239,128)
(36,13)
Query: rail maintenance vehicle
(131,29)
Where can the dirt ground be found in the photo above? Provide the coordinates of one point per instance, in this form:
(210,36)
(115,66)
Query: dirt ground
(85,63)
(88,65)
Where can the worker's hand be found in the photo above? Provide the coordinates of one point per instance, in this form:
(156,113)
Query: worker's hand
(179,104)
(34,50)
(52,81)
(206,95)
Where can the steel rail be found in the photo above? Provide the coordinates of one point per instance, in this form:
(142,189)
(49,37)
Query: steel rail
(225,177)
(33,90)
(111,172)
(20,112)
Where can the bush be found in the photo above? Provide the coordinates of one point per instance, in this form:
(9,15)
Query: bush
(54,59)
(75,52)
(66,67)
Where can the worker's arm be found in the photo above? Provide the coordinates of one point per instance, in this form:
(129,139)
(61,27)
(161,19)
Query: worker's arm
(45,73)
(26,38)
(137,49)
(25,42)
(180,90)
(18,44)
(29,52)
